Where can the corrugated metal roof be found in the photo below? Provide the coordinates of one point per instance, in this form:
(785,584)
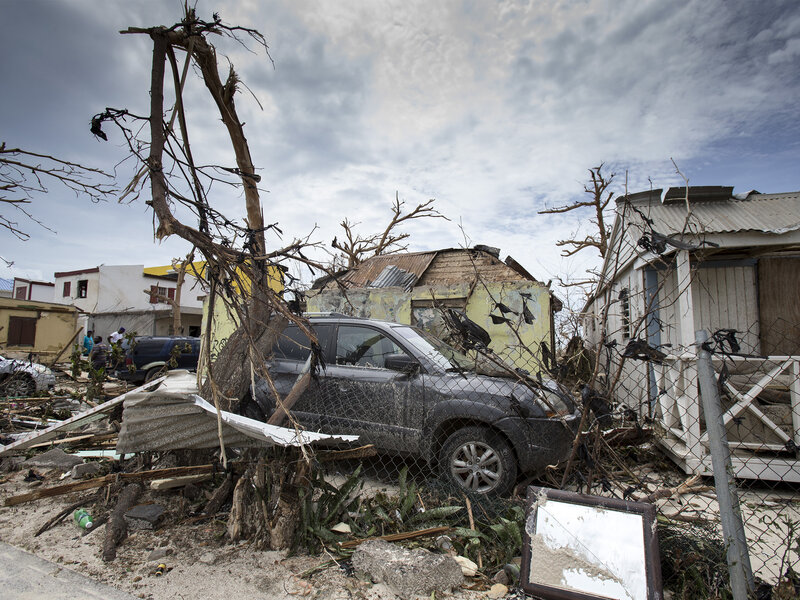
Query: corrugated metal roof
(392,276)
(369,270)
(6,285)
(768,213)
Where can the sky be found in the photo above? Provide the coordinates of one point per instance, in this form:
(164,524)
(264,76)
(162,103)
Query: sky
(494,109)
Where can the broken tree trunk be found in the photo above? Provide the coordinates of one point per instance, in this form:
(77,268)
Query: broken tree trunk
(117,528)
(219,497)
(234,361)
(237,522)
(286,515)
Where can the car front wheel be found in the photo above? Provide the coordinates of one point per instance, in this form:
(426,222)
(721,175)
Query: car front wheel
(19,385)
(479,460)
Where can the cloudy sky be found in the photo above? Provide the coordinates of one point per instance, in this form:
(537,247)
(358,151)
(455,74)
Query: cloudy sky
(495,109)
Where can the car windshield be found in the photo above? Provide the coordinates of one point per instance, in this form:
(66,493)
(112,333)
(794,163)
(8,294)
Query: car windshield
(435,349)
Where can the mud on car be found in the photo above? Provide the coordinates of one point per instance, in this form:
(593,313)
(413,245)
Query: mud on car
(409,393)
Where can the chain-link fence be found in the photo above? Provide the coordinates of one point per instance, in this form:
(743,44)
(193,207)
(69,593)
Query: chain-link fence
(451,439)
(760,398)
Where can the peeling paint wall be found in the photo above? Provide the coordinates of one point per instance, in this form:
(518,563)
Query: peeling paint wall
(55,326)
(394,304)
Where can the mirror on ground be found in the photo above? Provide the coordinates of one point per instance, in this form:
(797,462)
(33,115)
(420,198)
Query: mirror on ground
(579,546)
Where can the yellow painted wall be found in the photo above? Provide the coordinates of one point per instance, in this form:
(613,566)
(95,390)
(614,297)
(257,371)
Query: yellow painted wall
(225,323)
(199,267)
(394,304)
(55,326)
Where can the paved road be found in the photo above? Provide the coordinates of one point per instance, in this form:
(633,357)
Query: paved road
(24,576)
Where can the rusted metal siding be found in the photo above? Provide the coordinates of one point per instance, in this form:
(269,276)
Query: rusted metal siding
(369,270)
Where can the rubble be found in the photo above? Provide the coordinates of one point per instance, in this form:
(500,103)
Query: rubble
(408,573)
(144,516)
(53,459)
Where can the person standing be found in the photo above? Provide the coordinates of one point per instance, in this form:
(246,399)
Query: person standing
(88,343)
(116,337)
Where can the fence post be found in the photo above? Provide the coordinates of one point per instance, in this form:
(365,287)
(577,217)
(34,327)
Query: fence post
(741,575)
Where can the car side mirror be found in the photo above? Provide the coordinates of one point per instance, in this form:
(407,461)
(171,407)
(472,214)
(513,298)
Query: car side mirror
(401,362)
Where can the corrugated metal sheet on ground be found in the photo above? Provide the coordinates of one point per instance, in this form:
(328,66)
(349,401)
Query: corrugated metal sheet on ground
(769,213)
(370,269)
(173,417)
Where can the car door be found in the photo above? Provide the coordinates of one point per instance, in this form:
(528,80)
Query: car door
(361,395)
(289,356)
(187,357)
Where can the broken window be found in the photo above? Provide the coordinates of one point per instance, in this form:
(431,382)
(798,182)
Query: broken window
(157,292)
(67,289)
(21,331)
(364,347)
(22,293)
(83,288)
(293,344)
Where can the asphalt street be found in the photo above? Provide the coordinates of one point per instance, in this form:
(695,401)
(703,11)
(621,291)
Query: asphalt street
(24,576)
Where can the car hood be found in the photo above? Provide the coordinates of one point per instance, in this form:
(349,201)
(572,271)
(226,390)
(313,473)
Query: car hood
(499,391)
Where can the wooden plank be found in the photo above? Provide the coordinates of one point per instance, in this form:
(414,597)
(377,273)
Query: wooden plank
(177,482)
(89,484)
(778,290)
(396,537)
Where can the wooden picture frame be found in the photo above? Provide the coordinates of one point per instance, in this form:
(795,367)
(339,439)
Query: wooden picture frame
(580,547)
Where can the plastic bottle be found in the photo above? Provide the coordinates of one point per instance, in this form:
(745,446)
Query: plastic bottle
(82,518)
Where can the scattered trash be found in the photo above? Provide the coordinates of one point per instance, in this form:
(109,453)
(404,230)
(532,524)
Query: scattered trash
(83,519)
(160,569)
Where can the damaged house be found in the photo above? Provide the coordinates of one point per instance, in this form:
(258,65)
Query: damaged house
(31,328)
(683,260)
(416,288)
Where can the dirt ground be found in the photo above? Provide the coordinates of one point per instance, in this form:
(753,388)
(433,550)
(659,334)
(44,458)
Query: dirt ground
(200,563)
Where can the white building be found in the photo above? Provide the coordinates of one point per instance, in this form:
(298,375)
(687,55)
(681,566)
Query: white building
(679,262)
(130,296)
(27,289)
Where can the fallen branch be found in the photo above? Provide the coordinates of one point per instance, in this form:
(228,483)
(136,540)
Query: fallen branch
(89,484)
(117,529)
(219,497)
(60,516)
(360,452)
(397,537)
(687,486)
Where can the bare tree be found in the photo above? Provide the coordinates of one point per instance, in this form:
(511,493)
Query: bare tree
(238,263)
(600,196)
(24,175)
(355,247)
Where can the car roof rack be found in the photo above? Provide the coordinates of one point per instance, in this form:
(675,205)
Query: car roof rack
(329,314)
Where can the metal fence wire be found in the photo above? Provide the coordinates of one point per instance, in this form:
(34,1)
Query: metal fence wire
(760,397)
(452,438)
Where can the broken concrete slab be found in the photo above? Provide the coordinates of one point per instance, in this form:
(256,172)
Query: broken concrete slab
(85,470)
(144,516)
(53,459)
(408,573)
